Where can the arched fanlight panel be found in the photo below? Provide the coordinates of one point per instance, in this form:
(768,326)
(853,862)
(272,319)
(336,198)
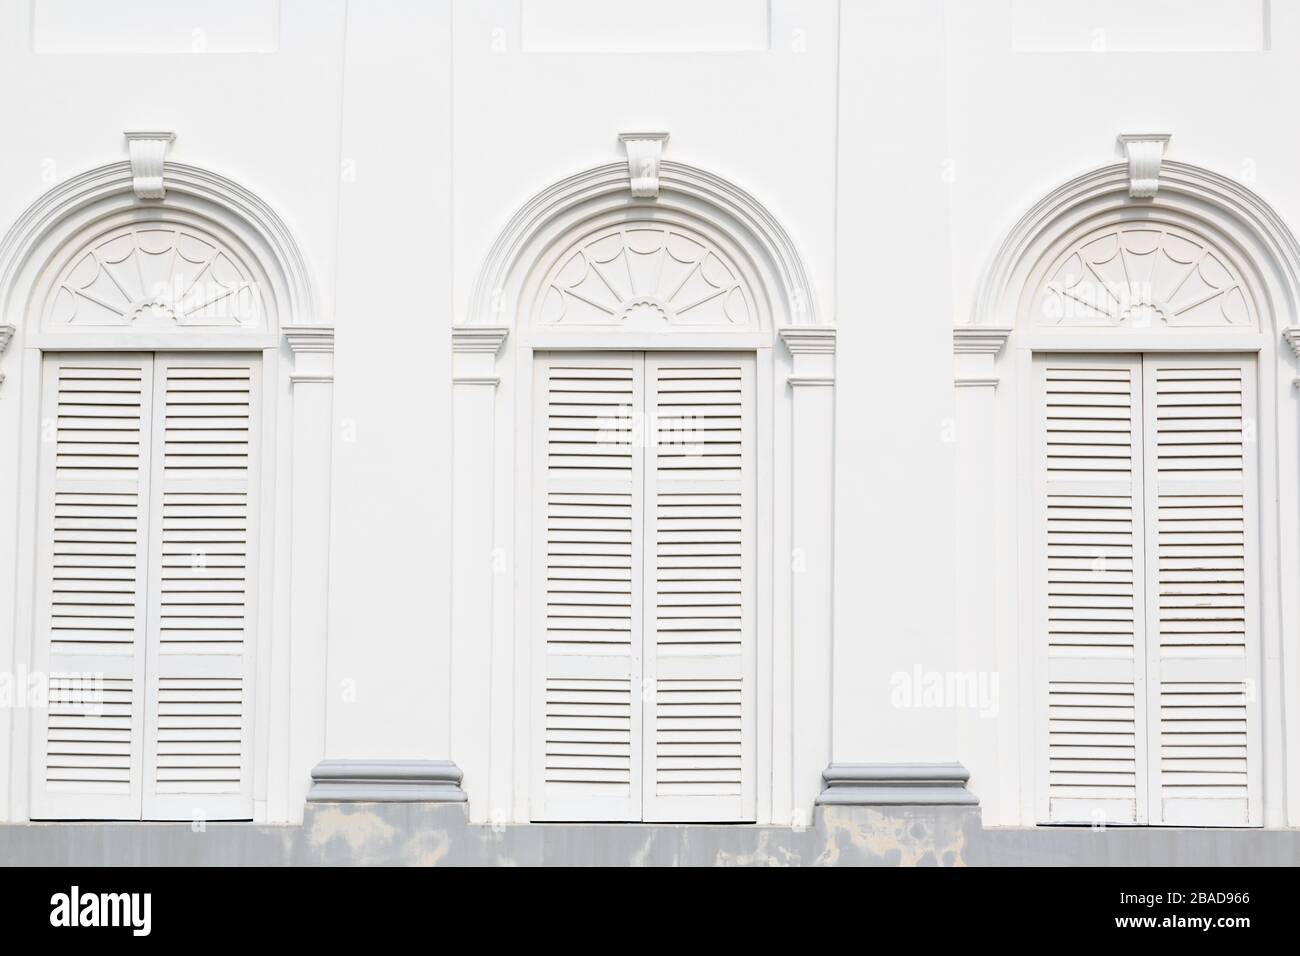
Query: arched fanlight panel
(1203,253)
(90,255)
(1143,274)
(585,253)
(645,275)
(156,274)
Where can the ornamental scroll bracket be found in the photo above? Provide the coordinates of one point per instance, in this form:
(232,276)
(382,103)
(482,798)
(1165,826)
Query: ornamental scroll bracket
(644,150)
(1145,152)
(148,149)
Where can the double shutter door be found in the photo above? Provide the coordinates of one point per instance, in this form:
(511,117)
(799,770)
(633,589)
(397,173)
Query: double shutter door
(643,587)
(1146,616)
(147,544)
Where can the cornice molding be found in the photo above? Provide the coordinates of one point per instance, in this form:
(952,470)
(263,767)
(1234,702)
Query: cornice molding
(309,338)
(148,150)
(979,339)
(385,781)
(568,202)
(896,784)
(1145,152)
(478,338)
(804,339)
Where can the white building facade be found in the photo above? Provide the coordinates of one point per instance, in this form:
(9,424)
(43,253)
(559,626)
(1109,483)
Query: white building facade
(871,425)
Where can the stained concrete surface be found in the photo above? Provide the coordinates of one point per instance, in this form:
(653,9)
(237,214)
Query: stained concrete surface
(415,834)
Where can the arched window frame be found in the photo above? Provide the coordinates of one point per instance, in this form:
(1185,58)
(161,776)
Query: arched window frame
(992,360)
(493,353)
(297,363)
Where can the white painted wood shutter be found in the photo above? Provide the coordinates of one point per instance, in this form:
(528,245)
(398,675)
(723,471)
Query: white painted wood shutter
(1088,466)
(1144,601)
(1202,617)
(643,590)
(91,585)
(587,591)
(202,572)
(148,537)
(699,626)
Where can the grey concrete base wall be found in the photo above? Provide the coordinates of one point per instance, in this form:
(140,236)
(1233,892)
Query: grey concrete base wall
(431,834)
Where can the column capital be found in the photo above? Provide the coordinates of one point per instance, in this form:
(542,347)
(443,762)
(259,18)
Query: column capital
(976,349)
(813,349)
(309,338)
(478,338)
(313,353)
(808,339)
(1289,335)
(979,339)
(474,350)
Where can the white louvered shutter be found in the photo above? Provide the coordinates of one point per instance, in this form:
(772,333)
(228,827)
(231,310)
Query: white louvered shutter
(587,593)
(202,570)
(93,525)
(1089,595)
(1202,630)
(699,583)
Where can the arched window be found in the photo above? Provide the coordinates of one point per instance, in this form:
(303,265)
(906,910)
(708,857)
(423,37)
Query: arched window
(155,409)
(622,382)
(1125,364)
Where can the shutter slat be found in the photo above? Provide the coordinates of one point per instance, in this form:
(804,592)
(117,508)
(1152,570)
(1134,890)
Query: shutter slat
(1201,506)
(1089,606)
(699,631)
(587,707)
(92,579)
(1145,605)
(203,571)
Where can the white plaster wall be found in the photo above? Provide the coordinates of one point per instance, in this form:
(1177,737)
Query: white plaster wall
(390,560)
(764,120)
(948,134)
(524,120)
(896,141)
(267,120)
(894,457)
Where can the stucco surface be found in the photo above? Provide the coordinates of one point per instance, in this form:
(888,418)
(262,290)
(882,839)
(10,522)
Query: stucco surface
(439,835)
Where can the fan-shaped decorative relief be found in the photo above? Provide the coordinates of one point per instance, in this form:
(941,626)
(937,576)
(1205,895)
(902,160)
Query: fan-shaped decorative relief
(645,276)
(1143,276)
(154,275)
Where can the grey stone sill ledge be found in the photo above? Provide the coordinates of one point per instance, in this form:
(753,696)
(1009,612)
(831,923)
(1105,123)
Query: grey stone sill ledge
(438,781)
(386,781)
(896,784)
